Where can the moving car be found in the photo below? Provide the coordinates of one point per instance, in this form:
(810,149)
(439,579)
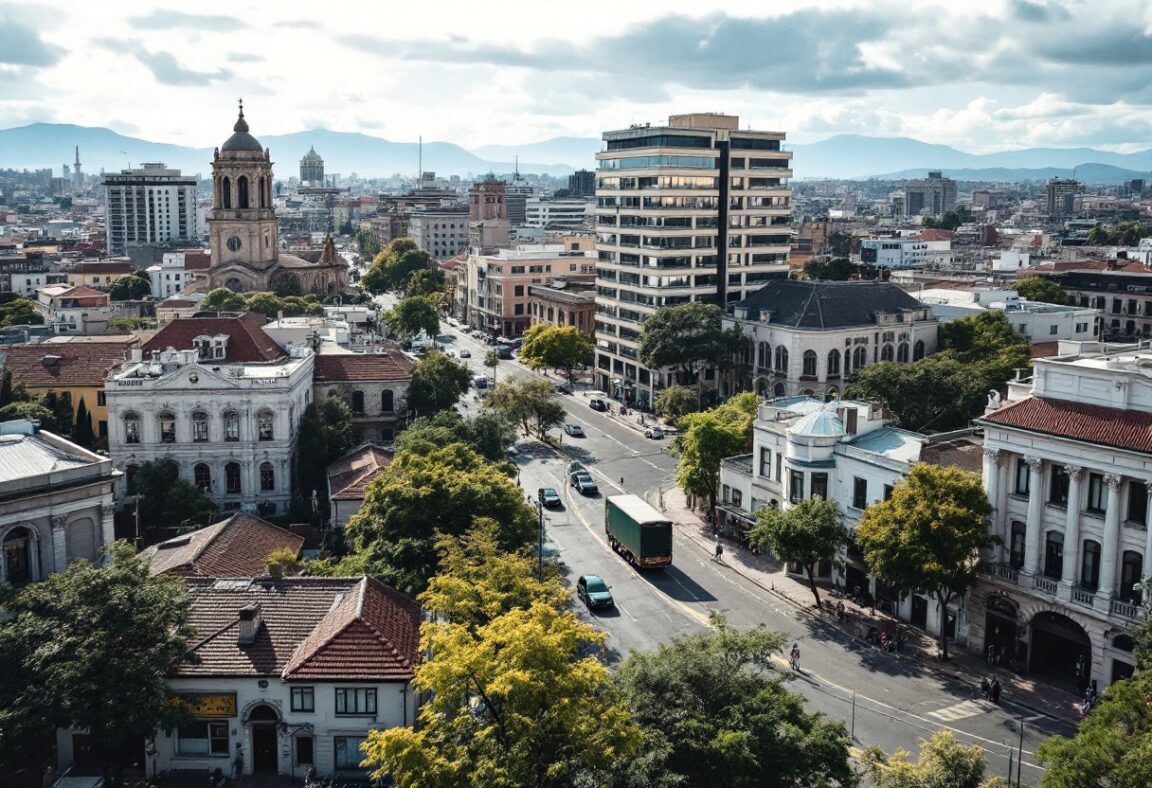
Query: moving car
(655,433)
(597,404)
(594,592)
(562,389)
(575,430)
(575,466)
(465,353)
(582,481)
(550,498)
(480,382)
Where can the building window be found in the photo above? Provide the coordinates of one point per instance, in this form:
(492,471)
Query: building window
(167,428)
(101,398)
(303,699)
(1058,486)
(902,353)
(231,426)
(232,477)
(347,749)
(1090,566)
(781,359)
(358,403)
(267,477)
(1137,502)
(820,485)
(918,350)
(1054,554)
(131,428)
(202,476)
(1131,573)
(1022,476)
(1097,499)
(737,498)
(1016,547)
(859,493)
(766,463)
(809,363)
(199,427)
(355,700)
(833,364)
(859,357)
(264,425)
(887,353)
(387,401)
(203,738)
(796,488)
(888,491)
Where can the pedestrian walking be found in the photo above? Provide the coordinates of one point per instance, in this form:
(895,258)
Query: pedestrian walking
(995,690)
(840,611)
(719,550)
(985,688)
(794,657)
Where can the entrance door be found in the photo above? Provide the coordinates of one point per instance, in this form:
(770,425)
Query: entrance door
(264,748)
(305,753)
(919,611)
(1061,649)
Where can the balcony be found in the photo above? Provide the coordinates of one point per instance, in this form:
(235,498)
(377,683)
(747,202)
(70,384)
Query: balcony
(1007,573)
(1082,597)
(1125,609)
(1044,584)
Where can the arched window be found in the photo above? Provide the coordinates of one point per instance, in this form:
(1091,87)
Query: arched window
(778,390)
(264,429)
(199,427)
(764,355)
(261,198)
(1131,573)
(131,428)
(833,363)
(202,476)
(358,403)
(387,401)
(232,477)
(226,191)
(242,192)
(859,357)
(809,364)
(902,353)
(886,352)
(918,350)
(231,426)
(19,557)
(167,427)
(267,477)
(781,359)
(1090,566)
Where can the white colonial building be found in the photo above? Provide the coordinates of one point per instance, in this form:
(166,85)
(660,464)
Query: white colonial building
(1033,320)
(808,337)
(1067,465)
(222,399)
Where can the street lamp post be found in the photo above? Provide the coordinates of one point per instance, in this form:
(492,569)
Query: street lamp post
(540,552)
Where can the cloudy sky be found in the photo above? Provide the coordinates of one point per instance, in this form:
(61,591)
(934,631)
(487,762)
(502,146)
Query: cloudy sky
(980,75)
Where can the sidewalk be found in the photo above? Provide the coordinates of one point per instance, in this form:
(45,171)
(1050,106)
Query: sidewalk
(1035,696)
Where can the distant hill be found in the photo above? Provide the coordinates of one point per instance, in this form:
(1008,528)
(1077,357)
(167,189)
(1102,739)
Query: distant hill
(1102,174)
(578,153)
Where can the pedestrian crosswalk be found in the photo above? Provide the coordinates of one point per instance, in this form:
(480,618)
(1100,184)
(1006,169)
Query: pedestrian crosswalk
(958,711)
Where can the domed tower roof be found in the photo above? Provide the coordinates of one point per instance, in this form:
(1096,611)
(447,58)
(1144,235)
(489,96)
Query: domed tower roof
(312,155)
(241,140)
(821,423)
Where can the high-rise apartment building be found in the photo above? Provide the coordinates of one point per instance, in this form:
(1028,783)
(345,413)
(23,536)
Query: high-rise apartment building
(1060,196)
(312,168)
(582,183)
(932,195)
(151,205)
(698,210)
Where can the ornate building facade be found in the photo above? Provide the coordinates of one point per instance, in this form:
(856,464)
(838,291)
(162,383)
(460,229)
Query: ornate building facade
(245,241)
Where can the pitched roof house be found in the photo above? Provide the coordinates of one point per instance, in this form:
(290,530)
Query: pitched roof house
(236,547)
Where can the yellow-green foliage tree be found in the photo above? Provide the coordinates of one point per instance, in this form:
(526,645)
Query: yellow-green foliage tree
(548,346)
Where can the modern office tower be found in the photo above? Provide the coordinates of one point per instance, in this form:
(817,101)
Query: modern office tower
(582,183)
(698,210)
(312,168)
(1060,196)
(932,195)
(151,205)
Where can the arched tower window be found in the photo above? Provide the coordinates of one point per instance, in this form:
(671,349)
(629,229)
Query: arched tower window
(809,364)
(202,476)
(781,358)
(859,357)
(226,192)
(833,363)
(262,205)
(918,350)
(242,191)
(886,352)
(902,353)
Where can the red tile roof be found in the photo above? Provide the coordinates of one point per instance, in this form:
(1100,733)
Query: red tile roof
(388,366)
(1129,266)
(1120,429)
(349,476)
(236,547)
(312,628)
(102,268)
(934,234)
(197,260)
(247,341)
(80,364)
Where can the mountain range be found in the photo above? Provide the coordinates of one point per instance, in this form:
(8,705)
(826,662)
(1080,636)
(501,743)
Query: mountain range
(843,156)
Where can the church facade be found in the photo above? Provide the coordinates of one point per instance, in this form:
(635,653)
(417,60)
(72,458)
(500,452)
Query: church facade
(245,241)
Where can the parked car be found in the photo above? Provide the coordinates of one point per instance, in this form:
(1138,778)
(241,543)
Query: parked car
(597,404)
(594,592)
(550,498)
(655,433)
(465,353)
(480,382)
(562,389)
(582,481)
(575,430)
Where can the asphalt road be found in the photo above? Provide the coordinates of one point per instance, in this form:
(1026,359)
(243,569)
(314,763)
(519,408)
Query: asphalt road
(886,700)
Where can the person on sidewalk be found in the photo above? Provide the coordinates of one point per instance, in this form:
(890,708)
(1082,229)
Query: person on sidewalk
(794,657)
(995,691)
(719,550)
(840,611)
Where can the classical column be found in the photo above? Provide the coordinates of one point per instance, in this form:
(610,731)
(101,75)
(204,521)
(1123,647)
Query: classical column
(107,531)
(1034,542)
(1146,569)
(1110,549)
(59,542)
(1072,527)
(992,488)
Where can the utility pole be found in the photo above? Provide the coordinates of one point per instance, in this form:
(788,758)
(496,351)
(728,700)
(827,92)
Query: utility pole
(1020,754)
(540,552)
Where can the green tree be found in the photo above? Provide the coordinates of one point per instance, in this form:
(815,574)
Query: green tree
(928,536)
(413,315)
(488,434)
(366,243)
(438,382)
(529,402)
(130,287)
(707,438)
(165,501)
(20,312)
(807,533)
(263,303)
(394,264)
(6,388)
(714,712)
(33,411)
(1045,291)
(303,306)
(491,360)
(61,407)
(128,324)
(683,337)
(944,763)
(838,269)
(325,436)
(87,635)
(949,220)
(287,284)
(548,346)
(425,282)
(222,300)
(676,402)
(82,432)
(423,497)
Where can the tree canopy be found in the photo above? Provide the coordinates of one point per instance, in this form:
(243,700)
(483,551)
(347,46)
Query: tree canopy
(807,533)
(94,647)
(366,244)
(438,382)
(487,433)
(944,763)
(1045,291)
(394,264)
(927,537)
(529,402)
(548,346)
(683,337)
(714,712)
(130,287)
(707,438)
(413,315)
(325,435)
(675,402)
(425,282)
(20,312)
(837,269)
(166,501)
(1119,234)
(949,220)
(222,300)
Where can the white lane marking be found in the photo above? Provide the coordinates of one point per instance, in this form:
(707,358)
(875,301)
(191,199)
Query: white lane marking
(960,711)
(624,610)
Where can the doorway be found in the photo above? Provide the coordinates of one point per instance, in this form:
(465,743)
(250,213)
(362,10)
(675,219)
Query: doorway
(919,616)
(264,749)
(305,751)
(1061,649)
(1000,631)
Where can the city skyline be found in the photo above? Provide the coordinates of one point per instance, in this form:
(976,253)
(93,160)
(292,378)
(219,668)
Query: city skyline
(989,76)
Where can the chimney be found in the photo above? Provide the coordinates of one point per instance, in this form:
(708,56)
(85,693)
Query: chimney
(250,622)
(50,361)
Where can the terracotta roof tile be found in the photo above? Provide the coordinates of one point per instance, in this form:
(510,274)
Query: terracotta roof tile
(1120,429)
(236,547)
(392,365)
(349,476)
(312,628)
(247,341)
(81,364)
(102,268)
